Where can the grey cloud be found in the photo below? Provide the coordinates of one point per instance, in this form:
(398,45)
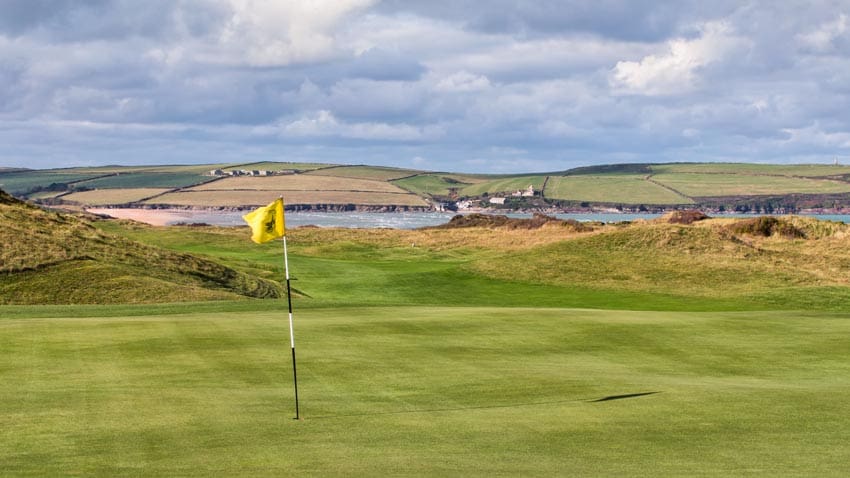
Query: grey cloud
(383,65)
(643,20)
(20,16)
(497,83)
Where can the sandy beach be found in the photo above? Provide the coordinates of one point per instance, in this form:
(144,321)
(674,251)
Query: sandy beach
(155,217)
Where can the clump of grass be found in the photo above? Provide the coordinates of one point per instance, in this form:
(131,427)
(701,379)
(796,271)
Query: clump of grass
(767,226)
(499,221)
(689,216)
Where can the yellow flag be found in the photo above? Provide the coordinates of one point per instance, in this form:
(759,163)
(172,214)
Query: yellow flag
(266,222)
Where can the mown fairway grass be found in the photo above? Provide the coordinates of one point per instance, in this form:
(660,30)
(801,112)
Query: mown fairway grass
(427,391)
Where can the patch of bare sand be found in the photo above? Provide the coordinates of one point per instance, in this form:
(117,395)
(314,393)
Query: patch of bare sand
(154,217)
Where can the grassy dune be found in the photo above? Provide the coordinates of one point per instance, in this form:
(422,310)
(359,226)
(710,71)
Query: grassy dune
(646,266)
(51,258)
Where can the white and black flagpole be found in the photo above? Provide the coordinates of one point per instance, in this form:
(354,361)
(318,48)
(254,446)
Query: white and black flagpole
(291,332)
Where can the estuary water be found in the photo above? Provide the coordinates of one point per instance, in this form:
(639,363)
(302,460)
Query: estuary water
(394,220)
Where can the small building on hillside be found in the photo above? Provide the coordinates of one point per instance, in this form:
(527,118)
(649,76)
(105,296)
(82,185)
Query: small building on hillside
(497,200)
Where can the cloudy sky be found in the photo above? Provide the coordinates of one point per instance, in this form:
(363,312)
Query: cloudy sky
(457,85)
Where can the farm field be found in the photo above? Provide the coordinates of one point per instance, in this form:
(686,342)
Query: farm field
(194,169)
(728,186)
(503,185)
(625,189)
(146,180)
(274,166)
(801,170)
(297,182)
(20,182)
(709,185)
(242,198)
(375,173)
(430,184)
(98,197)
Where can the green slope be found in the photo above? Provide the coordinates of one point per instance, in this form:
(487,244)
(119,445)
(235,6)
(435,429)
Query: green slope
(52,258)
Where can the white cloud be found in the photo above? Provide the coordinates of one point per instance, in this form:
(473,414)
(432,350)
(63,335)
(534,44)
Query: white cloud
(822,38)
(463,81)
(815,137)
(279,33)
(325,124)
(676,70)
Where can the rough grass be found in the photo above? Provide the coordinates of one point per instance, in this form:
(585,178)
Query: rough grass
(644,266)
(51,258)
(617,188)
(427,391)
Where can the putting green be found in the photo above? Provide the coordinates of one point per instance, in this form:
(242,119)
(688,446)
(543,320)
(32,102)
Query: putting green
(427,391)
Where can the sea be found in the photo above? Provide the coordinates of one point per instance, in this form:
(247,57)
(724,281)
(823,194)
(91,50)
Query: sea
(391,220)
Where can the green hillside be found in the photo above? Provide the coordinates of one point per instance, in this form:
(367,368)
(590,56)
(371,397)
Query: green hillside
(717,186)
(52,258)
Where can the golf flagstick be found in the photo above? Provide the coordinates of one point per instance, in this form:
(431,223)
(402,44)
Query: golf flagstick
(291,331)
